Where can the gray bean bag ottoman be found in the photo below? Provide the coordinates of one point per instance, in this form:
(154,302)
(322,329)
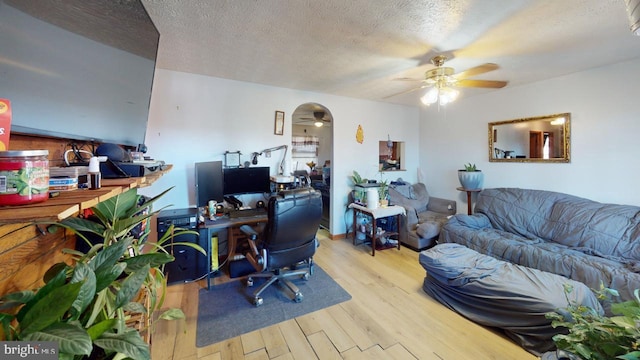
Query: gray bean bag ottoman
(499,294)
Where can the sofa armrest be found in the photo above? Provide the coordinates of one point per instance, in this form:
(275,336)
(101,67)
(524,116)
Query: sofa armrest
(442,206)
(412,215)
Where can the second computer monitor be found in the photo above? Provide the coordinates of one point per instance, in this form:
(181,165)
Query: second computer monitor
(250,180)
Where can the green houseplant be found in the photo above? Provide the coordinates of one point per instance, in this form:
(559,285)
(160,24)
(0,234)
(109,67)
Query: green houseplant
(593,336)
(358,192)
(85,305)
(383,192)
(470,177)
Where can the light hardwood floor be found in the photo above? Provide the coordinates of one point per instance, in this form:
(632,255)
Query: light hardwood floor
(388,317)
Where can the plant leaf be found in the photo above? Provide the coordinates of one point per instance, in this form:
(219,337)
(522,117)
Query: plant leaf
(56,281)
(135,307)
(131,286)
(129,343)
(116,208)
(98,329)
(84,274)
(71,339)
(152,259)
(109,255)
(15,299)
(172,314)
(50,308)
(105,276)
(82,225)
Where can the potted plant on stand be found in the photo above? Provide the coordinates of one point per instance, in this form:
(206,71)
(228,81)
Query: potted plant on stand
(470,177)
(383,193)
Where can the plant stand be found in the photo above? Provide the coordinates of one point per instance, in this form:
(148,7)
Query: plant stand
(375,214)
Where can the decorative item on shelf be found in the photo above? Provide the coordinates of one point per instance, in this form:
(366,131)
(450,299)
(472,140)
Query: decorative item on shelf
(470,177)
(312,166)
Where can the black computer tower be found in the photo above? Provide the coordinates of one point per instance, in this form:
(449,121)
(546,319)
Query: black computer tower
(189,263)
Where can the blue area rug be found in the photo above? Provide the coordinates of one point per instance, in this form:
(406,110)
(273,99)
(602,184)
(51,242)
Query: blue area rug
(227,310)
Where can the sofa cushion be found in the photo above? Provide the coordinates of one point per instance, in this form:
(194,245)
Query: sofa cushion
(419,202)
(500,294)
(428,230)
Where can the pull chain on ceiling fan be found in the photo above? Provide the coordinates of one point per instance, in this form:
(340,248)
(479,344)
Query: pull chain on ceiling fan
(443,80)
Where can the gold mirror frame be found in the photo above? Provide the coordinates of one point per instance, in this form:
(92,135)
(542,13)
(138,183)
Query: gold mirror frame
(525,133)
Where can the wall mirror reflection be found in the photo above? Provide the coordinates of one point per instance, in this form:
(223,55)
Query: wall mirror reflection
(535,139)
(391,155)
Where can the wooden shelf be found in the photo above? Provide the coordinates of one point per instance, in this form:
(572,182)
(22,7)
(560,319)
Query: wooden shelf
(69,203)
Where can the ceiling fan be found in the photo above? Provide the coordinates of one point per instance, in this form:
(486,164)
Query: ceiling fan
(444,79)
(318,118)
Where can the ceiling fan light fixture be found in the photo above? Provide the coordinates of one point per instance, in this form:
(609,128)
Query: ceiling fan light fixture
(441,95)
(318,123)
(448,95)
(430,97)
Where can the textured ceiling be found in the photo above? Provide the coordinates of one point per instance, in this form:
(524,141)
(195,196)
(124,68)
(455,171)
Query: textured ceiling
(359,48)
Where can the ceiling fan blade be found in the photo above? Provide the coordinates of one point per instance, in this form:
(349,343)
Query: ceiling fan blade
(481,69)
(407,79)
(482,83)
(406,91)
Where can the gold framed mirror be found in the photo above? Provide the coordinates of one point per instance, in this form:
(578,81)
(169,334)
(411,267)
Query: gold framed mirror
(544,139)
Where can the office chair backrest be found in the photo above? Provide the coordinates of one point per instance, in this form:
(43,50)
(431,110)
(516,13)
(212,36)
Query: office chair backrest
(294,219)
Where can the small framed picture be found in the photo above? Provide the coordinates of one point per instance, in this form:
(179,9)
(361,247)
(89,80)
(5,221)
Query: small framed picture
(279,123)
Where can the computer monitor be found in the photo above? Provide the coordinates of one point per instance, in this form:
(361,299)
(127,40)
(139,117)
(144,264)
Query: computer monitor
(250,180)
(209,182)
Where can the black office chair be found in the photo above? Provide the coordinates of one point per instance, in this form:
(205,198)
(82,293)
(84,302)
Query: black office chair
(288,242)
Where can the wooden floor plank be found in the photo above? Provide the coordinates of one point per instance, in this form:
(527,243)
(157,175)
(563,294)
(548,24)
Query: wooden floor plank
(388,317)
(323,346)
(257,355)
(297,341)
(274,342)
(252,341)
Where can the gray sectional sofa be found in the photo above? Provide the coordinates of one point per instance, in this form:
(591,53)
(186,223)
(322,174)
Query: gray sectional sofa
(577,238)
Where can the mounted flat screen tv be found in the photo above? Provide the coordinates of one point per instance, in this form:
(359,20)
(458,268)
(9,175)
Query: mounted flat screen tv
(78,69)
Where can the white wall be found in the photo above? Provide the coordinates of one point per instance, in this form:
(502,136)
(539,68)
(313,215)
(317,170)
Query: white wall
(604,136)
(196,118)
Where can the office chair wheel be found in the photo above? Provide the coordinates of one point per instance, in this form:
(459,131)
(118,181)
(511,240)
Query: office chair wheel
(249,282)
(257,301)
(298,297)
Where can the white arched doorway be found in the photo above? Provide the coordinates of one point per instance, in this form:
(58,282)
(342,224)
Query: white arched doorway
(312,144)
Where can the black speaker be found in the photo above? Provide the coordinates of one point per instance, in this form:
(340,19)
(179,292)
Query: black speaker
(189,264)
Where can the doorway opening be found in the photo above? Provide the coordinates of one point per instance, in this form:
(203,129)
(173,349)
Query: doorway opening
(312,150)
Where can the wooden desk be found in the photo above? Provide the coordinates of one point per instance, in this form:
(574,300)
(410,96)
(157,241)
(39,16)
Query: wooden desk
(375,214)
(210,227)
(469,192)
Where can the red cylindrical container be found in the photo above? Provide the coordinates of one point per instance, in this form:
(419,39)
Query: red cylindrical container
(24,177)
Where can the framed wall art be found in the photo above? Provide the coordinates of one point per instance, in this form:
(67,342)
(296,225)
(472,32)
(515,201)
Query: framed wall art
(279,123)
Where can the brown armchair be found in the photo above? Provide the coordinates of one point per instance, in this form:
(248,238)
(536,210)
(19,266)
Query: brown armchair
(426,214)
